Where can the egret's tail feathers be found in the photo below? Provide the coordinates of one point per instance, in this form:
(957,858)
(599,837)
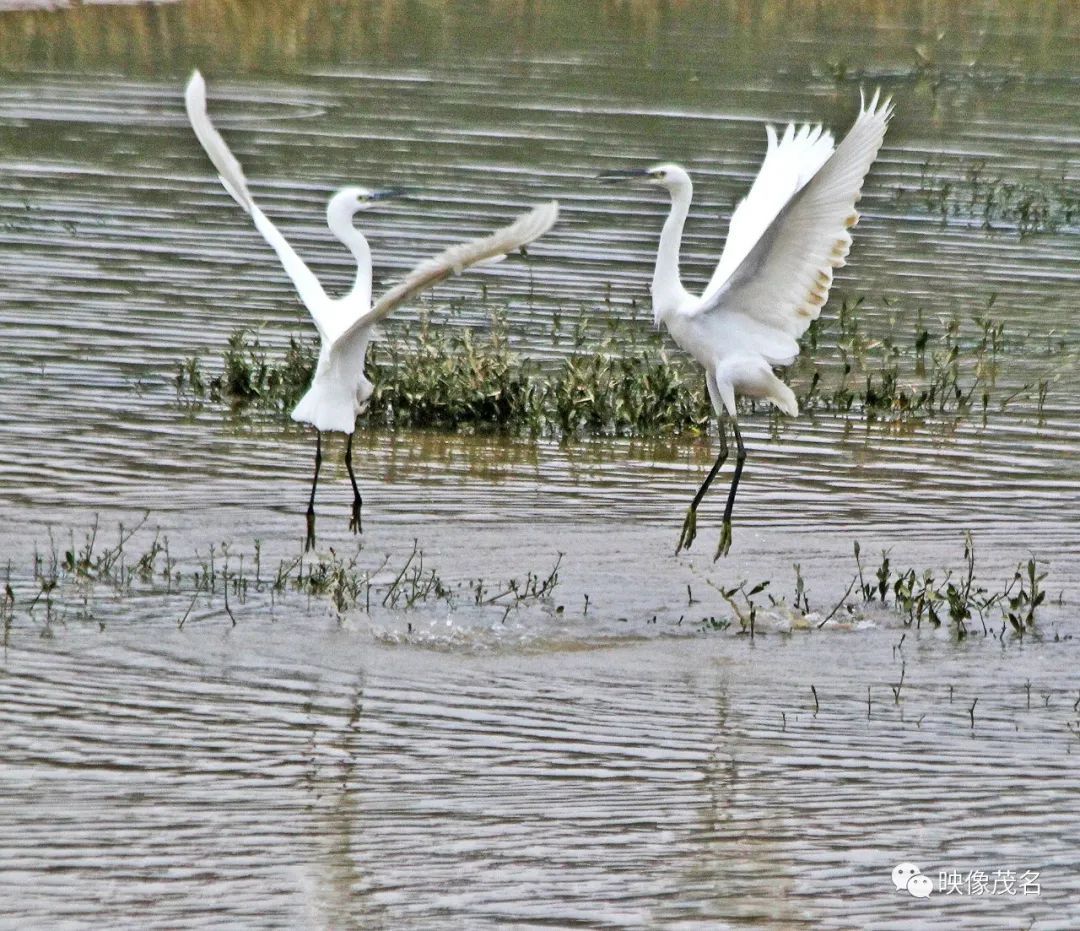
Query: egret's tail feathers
(329,405)
(229,170)
(339,417)
(339,389)
(784,398)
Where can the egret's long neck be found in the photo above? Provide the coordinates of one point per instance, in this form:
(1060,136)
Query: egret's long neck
(354,241)
(667,289)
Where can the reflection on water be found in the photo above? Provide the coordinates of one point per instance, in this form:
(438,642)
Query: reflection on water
(262,779)
(994,40)
(587,767)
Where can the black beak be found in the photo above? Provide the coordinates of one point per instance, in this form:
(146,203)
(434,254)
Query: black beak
(622,174)
(387,193)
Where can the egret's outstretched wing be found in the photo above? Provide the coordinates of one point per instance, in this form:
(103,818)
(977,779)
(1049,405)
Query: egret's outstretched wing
(789,163)
(456,259)
(785,277)
(229,170)
(233,180)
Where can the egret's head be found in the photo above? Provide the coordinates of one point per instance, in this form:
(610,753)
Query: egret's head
(667,175)
(351,200)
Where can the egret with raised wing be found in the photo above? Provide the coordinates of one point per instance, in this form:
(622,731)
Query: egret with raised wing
(339,388)
(774,275)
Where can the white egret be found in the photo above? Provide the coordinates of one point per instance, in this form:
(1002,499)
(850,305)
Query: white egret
(339,388)
(784,240)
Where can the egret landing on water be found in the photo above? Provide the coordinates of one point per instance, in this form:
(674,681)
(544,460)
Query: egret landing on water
(339,388)
(784,240)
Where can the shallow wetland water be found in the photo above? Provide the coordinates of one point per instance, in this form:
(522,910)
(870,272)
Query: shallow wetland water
(619,752)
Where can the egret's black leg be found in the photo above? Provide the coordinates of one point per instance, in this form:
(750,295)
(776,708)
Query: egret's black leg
(740,458)
(689,528)
(309,543)
(358,502)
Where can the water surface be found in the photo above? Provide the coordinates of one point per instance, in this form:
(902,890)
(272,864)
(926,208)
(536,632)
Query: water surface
(444,767)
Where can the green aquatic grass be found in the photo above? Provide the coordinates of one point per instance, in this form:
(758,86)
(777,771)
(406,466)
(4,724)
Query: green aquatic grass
(613,381)
(249,376)
(70,582)
(975,191)
(86,581)
(451,377)
(617,377)
(930,597)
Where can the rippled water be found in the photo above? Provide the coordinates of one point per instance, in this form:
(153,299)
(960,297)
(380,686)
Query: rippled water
(262,778)
(606,765)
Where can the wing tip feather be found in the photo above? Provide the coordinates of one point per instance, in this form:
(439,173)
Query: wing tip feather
(878,108)
(230,172)
(195,97)
(196,82)
(456,259)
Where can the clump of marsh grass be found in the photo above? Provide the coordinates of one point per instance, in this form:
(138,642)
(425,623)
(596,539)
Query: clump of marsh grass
(613,381)
(620,380)
(65,578)
(516,593)
(249,377)
(450,377)
(617,378)
(414,584)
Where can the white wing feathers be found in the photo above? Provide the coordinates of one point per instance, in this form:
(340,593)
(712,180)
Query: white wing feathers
(233,180)
(789,163)
(229,170)
(456,259)
(784,278)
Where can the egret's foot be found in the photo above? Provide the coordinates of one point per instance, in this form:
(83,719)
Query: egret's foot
(725,541)
(689,530)
(309,542)
(354,521)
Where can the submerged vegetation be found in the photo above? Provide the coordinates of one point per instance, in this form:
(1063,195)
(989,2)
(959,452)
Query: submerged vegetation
(939,367)
(617,377)
(918,596)
(72,582)
(84,582)
(959,599)
(971,190)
